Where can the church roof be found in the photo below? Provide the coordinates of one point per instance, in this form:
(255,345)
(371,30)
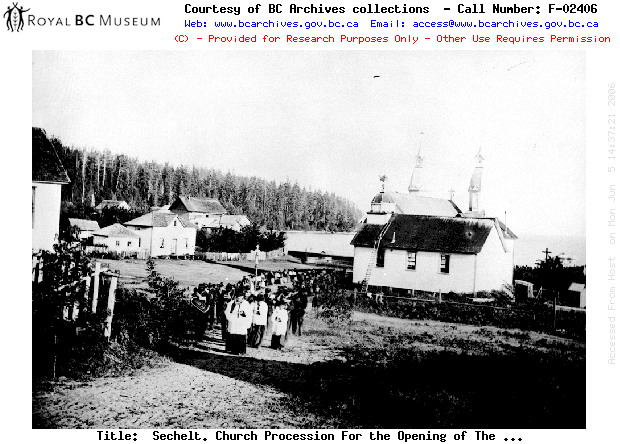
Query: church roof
(508,234)
(422,205)
(382,197)
(428,233)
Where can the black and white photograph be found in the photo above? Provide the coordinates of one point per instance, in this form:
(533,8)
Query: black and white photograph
(309,240)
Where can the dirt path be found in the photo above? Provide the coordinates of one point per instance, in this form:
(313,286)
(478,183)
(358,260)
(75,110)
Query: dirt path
(205,388)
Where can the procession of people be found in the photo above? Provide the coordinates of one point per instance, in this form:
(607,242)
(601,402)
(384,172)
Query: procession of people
(269,303)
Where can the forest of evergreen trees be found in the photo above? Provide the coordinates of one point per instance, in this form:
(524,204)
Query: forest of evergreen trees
(96,176)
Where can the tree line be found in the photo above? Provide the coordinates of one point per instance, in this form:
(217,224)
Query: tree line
(100,175)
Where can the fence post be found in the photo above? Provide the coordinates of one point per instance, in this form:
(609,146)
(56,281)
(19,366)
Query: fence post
(111,301)
(555,297)
(87,280)
(38,271)
(96,286)
(439,296)
(35,268)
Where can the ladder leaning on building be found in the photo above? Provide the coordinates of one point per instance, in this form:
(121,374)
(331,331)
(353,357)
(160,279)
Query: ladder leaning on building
(373,256)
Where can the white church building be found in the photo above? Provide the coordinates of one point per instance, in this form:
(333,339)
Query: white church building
(414,242)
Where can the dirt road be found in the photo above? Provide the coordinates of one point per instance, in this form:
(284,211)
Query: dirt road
(204,388)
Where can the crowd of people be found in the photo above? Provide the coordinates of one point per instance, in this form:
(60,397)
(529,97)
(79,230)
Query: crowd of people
(272,303)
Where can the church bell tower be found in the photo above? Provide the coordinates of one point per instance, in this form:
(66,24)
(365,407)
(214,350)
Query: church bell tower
(475,186)
(415,184)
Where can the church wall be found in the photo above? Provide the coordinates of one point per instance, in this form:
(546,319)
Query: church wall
(495,266)
(425,277)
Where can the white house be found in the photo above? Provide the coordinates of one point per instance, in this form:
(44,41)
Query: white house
(415,242)
(112,204)
(85,227)
(48,176)
(117,239)
(164,234)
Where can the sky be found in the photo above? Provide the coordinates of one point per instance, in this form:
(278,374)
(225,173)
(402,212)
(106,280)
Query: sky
(337,120)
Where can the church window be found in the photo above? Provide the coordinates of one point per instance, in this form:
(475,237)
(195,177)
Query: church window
(380,257)
(411,260)
(445,263)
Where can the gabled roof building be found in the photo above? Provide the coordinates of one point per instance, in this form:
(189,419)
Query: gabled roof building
(423,243)
(164,234)
(117,239)
(191,207)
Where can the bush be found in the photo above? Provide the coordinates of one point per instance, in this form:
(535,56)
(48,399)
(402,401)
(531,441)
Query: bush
(335,308)
(534,316)
(154,320)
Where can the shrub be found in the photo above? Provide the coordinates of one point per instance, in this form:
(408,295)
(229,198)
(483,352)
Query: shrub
(335,307)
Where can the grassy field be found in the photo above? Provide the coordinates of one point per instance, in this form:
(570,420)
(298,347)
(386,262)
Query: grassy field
(395,373)
(191,273)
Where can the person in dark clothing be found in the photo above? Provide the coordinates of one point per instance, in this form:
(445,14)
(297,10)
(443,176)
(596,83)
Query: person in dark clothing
(298,311)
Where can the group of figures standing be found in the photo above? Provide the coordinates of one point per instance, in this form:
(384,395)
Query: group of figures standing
(249,309)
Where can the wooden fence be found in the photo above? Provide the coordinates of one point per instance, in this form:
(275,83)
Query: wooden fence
(90,285)
(554,312)
(223,256)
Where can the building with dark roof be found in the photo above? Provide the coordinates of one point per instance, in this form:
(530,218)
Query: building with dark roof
(192,207)
(414,242)
(48,176)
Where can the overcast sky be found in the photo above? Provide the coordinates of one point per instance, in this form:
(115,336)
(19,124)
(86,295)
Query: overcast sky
(324,120)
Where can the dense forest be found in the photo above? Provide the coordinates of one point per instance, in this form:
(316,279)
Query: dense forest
(96,176)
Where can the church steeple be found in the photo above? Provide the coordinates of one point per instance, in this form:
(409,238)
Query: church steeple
(475,185)
(415,184)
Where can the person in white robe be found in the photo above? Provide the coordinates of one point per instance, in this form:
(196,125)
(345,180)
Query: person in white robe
(238,317)
(259,321)
(279,325)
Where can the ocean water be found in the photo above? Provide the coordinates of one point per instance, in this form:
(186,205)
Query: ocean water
(529,249)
